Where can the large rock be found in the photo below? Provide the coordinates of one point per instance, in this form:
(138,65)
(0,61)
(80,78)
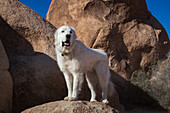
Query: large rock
(125,29)
(29,43)
(72,107)
(37,33)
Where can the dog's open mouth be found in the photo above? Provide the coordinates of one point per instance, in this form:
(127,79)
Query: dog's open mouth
(66,43)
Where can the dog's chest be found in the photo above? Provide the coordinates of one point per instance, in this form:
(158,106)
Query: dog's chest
(70,64)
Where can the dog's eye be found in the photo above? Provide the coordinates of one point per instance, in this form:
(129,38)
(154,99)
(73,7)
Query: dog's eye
(70,32)
(62,31)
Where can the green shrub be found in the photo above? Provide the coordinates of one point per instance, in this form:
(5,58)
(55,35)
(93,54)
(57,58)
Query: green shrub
(157,84)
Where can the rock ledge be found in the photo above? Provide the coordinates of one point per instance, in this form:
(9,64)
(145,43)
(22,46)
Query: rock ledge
(72,107)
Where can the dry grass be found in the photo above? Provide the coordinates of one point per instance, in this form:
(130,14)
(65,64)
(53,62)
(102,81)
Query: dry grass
(157,84)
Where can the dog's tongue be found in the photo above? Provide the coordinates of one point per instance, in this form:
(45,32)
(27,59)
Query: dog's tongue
(66,44)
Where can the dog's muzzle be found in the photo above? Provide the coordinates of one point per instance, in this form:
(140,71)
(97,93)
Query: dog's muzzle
(66,43)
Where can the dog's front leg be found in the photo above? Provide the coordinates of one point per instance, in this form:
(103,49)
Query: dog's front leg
(69,82)
(77,84)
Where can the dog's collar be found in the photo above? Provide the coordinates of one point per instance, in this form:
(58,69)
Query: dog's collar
(63,54)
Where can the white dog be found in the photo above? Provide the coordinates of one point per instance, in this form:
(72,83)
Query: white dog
(75,60)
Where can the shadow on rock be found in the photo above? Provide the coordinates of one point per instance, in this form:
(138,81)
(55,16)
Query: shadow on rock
(36,76)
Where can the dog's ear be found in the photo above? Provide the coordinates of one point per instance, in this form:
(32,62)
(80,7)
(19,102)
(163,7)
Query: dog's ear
(73,28)
(74,31)
(56,37)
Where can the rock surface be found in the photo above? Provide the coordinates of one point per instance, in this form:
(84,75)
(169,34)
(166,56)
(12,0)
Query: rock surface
(28,40)
(6,83)
(4,63)
(33,31)
(125,29)
(6,91)
(72,107)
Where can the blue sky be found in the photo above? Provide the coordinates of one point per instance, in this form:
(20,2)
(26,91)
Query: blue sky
(159,9)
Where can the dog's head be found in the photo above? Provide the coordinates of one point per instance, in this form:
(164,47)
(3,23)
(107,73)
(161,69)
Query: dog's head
(65,36)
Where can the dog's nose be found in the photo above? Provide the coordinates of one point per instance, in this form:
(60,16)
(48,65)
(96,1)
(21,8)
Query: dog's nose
(68,36)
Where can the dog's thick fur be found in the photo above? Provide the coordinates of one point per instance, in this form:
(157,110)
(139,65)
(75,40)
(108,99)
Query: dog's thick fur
(75,59)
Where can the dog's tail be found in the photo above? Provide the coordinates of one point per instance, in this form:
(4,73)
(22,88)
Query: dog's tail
(111,89)
(111,86)
(113,95)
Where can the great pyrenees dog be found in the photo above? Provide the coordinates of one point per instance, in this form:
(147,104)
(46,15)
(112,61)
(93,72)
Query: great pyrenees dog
(76,60)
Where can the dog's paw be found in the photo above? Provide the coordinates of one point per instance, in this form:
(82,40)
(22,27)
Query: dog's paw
(73,99)
(66,98)
(93,100)
(105,101)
